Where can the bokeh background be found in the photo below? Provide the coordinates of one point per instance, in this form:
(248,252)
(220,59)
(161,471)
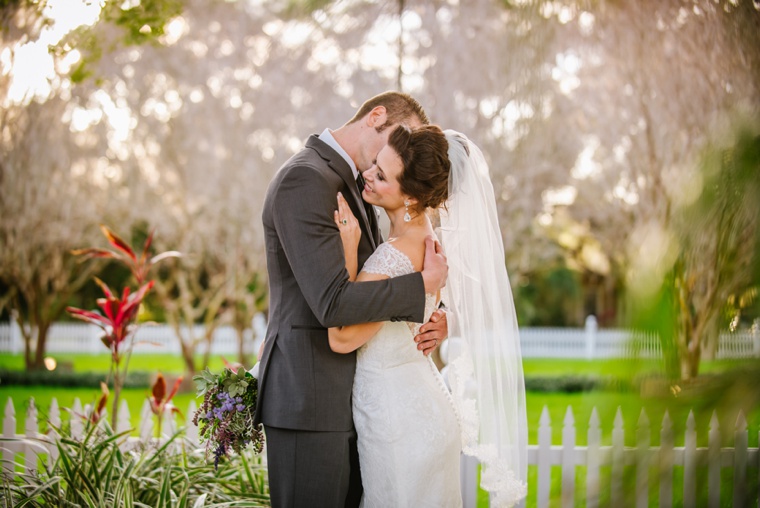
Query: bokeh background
(622,138)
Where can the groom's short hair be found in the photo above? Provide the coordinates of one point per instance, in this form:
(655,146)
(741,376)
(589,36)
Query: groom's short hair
(399,107)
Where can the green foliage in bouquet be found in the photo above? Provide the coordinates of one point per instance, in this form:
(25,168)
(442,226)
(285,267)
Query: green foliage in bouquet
(225,416)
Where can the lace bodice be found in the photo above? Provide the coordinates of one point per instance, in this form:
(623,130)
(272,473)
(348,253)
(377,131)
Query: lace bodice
(390,261)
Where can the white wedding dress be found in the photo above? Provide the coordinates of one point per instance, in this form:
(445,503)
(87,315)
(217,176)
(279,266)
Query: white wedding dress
(408,431)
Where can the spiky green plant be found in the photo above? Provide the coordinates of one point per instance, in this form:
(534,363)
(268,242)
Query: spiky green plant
(95,472)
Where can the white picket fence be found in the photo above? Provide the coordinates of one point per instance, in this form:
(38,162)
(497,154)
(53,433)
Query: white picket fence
(33,444)
(588,342)
(645,458)
(77,337)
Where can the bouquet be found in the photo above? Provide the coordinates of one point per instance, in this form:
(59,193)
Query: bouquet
(225,417)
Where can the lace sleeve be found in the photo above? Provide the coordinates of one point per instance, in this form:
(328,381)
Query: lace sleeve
(388,260)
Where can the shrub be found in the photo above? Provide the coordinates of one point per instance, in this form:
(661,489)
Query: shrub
(95,472)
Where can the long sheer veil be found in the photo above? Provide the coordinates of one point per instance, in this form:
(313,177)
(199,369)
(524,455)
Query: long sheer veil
(485,368)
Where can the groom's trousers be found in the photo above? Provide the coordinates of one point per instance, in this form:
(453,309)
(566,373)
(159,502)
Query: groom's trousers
(313,469)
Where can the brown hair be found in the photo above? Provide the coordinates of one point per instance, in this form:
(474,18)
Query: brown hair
(424,154)
(399,107)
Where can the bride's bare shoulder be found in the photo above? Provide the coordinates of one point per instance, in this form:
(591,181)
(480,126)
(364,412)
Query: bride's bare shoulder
(413,246)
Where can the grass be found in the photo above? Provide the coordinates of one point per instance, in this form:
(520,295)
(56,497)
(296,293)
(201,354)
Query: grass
(165,363)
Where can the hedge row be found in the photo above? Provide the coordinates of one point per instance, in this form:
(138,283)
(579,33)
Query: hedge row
(136,379)
(141,379)
(574,384)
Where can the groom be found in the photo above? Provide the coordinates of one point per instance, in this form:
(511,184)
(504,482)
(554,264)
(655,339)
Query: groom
(304,388)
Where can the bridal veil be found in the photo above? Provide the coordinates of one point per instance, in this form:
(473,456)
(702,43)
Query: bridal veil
(485,367)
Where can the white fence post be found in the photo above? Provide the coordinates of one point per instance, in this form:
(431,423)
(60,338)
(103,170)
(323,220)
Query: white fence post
(690,462)
(9,431)
(76,423)
(468,481)
(666,462)
(146,422)
(643,439)
(54,417)
(123,418)
(31,428)
(568,459)
(713,463)
(740,460)
(591,328)
(618,459)
(191,432)
(16,338)
(544,461)
(592,461)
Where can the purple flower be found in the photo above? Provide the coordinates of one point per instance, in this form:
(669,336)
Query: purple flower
(240,407)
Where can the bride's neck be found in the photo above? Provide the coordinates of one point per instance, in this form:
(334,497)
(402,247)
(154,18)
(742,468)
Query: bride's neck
(399,227)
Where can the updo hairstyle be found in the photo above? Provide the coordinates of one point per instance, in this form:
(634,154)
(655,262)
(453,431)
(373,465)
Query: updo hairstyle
(426,166)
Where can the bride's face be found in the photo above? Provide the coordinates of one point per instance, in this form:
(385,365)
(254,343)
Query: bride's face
(381,186)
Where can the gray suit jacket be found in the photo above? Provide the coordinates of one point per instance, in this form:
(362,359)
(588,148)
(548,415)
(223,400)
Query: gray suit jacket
(302,384)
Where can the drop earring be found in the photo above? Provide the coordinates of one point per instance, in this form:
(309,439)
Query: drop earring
(407,217)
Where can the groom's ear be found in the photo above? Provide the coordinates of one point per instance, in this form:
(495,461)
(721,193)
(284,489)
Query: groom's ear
(377,117)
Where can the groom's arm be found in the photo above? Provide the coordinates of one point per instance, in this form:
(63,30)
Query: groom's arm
(303,214)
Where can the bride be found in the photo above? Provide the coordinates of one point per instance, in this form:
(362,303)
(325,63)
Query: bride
(411,428)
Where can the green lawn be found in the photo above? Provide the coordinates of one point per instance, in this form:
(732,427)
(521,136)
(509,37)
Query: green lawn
(165,363)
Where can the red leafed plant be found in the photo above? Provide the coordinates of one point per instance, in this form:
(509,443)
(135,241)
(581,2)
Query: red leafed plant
(139,266)
(119,312)
(159,400)
(119,316)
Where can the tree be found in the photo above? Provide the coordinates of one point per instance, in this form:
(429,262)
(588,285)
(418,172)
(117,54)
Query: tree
(717,258)
(42,218)
(678,75)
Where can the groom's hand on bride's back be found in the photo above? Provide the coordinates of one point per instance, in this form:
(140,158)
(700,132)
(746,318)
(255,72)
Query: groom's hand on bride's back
(432,333)
(434,267)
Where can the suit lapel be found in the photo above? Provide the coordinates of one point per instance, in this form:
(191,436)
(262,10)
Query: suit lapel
(340,166)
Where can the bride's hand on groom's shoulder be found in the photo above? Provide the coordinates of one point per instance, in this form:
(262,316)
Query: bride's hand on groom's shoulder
(433,332)
(348,225)
(434,267)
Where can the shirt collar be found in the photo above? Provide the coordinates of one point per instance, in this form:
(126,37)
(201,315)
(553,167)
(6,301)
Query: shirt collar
(328,138)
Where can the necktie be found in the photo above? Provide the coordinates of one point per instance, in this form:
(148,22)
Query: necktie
(360,183)
(367,208)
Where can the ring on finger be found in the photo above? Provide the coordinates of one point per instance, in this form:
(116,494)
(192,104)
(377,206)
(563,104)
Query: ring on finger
(344,221)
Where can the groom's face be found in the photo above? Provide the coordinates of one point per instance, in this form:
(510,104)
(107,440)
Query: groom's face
(375,142)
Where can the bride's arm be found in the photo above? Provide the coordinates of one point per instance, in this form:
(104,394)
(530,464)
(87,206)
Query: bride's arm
(345,339)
